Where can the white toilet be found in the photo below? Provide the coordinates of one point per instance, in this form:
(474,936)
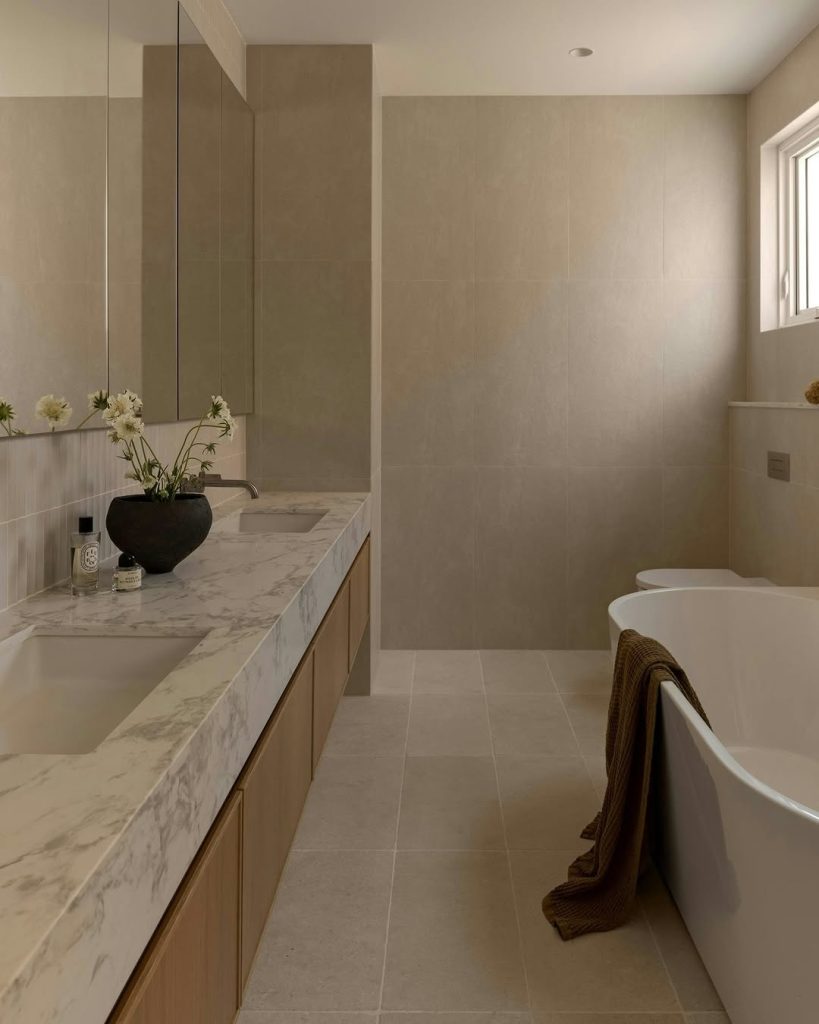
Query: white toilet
(662,579)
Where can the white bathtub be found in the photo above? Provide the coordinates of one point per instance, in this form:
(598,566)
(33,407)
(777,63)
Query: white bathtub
(740,830)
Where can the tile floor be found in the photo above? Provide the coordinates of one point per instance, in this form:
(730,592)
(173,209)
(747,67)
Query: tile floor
(444,807)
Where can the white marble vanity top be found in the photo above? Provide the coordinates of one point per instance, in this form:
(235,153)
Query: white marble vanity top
(93,846)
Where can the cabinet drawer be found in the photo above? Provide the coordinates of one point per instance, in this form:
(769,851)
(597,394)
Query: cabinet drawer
(359,599)
(332,654)
(274,787)
(190,972)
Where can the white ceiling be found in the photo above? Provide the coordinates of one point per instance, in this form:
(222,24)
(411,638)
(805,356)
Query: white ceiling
(514,47)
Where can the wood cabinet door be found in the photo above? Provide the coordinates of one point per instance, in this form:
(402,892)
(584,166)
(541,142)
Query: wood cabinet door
(190,972)
(274,786)
(332,653)
(359,599)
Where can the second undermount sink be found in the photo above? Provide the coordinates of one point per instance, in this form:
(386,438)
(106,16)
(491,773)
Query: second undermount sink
(272,521)
(65,693)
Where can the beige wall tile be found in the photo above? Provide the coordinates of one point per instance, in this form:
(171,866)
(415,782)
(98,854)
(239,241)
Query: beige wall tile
(615,374)
(316,106)
(316,322)
(704,187)
(615,187)
(520,544)
(521,373)
(429,373)
(522,222)
(703,368)
(615,530)
(440,955)
(429,188)
(695,517)
(770,528)
(199,355)
(428,578)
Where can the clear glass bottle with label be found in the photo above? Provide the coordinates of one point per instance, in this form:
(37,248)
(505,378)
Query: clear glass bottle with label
(127,574)
(85,557)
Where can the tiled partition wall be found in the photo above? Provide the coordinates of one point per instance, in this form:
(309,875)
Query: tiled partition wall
(775,525)
(48,481)
(563,326)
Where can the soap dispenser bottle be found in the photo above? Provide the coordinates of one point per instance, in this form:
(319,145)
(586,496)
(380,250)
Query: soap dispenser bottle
(85,557)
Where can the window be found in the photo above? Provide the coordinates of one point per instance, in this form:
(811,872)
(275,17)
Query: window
(799,226)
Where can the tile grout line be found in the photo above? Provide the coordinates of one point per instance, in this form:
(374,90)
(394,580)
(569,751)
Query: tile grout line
(395,843)
(505,840)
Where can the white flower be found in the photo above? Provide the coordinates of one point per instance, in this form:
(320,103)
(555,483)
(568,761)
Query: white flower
(127,426)
(118,405)
(218,408)
(55,411)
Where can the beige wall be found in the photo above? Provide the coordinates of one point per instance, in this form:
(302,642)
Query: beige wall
(311,423)
(775,525)
(219,31)
(781,363)
(48,481)
(375,377)
(563,326)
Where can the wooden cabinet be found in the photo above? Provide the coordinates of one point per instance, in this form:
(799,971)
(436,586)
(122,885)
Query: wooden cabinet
(332,653)
(274,786)
(359,599)
(190,972)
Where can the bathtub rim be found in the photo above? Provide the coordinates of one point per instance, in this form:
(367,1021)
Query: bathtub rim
(714,744)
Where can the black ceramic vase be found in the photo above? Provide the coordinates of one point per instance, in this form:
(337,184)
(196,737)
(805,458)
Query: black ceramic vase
(159,534)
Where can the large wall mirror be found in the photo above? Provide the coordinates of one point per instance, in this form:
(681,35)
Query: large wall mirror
(126,211)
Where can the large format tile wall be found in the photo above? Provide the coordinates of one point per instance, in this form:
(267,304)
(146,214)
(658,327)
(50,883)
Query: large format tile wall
(48,481)
(314,125)
(218,29)
(774,524)
(781,363)
(564,305)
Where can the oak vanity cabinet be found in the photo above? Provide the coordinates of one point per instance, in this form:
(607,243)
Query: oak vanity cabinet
(332,652)
(274,787)
(190,971)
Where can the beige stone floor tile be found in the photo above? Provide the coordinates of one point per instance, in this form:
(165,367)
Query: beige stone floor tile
(323,946)
(581,671)
(453,938)
(596,767)
(450,803)
(516,672)
(303,1017)
(608,1018)
(694,987)
(588,713)
(352,804)
(707,1018)
(529,725)
(611,972)
(547,802)
(449,724)
(486,1017)
(447,672)
(394,673)
(373,726)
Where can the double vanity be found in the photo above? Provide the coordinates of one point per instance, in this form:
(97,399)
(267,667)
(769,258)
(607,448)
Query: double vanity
(156,749)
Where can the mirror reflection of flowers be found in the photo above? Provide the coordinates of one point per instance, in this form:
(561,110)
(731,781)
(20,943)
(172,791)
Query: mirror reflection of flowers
(55,411)
(7,419)
(163,481)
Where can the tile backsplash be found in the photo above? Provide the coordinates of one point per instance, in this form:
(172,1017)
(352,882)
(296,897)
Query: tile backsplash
(47,481)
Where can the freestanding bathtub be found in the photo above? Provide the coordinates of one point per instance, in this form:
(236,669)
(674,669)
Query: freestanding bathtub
(739,844)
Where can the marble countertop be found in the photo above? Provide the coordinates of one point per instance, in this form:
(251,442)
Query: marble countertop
(93,846)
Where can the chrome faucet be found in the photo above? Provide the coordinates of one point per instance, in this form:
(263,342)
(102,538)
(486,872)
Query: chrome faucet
(203,480)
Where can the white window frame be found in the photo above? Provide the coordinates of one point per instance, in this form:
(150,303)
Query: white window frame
(792,254)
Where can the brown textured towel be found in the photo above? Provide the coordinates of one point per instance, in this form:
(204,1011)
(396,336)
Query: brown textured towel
(600,892)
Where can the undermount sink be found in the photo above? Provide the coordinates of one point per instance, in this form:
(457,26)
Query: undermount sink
(272,521)
(64,693)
